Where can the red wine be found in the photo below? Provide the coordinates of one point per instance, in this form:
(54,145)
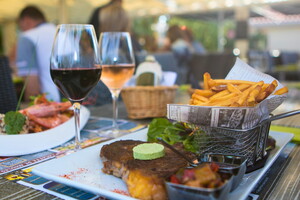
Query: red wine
(76,83)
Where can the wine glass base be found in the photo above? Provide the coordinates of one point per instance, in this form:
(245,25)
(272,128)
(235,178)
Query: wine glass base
(113,133)
(77,147)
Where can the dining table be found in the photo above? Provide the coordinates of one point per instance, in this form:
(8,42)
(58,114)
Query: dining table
(280,181)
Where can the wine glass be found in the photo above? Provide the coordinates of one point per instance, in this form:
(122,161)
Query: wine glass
(118,64)
(75,65)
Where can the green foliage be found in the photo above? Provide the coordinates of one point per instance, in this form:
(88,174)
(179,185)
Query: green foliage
(229,34)
(14,122)
(142,26)
(171,133)
(32,99)
(205,32)
(258,41)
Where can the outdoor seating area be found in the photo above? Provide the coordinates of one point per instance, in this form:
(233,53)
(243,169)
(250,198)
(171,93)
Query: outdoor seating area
(149,99)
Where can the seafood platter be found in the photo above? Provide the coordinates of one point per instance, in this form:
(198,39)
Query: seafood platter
(47,125)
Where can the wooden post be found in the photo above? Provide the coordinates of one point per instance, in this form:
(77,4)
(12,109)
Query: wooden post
(63,12)
(241,42)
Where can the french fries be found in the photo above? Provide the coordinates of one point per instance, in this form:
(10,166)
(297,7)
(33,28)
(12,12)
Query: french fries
(265,93)
(206,78)
(281,91)
(233,93)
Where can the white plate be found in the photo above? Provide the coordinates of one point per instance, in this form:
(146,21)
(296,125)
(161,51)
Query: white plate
(15,145)
(83,170)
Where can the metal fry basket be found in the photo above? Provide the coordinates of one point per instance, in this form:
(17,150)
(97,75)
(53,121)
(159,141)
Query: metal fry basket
(250,143)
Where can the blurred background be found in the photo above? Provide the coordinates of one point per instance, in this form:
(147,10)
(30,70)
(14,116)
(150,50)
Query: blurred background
(264,33)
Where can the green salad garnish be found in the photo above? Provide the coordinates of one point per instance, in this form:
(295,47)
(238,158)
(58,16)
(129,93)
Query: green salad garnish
(14,122)
(172,132)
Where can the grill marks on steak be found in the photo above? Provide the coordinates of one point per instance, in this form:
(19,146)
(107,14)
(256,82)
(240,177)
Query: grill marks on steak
(118,160)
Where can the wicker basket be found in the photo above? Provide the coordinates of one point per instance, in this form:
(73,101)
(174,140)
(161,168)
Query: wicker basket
(148,101)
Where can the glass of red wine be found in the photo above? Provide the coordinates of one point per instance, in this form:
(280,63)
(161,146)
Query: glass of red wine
(75,65)
(118,66)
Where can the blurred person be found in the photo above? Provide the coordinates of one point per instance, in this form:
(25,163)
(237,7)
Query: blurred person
(112,17)
(33,53)
(182,50)
(95,17)
(196,45)
(179,44)
(150,43)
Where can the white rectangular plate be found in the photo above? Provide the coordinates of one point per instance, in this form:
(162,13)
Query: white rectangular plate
(83,170)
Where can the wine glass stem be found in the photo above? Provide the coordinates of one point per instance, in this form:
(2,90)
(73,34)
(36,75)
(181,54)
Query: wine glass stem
(76,107)
(115,96)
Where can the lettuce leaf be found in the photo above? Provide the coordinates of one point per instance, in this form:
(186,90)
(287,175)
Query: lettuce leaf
(14,122)
(172,132)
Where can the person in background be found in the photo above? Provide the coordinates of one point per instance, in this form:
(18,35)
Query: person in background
(179,44)
(196,45)
(95,17)
(112,17)
(182,50)
(108,18)
(33,53)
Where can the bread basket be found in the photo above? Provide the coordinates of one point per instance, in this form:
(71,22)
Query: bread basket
(148,101)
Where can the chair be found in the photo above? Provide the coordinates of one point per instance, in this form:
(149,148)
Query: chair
(169,62)
(286,67)
(289,58)
(8,96)
(261,60)
(217,64)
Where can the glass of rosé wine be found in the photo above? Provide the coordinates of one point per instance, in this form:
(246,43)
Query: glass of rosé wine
(75,65)
(118,66)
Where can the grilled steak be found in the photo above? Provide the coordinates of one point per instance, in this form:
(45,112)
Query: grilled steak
(144,178)
(115,155)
